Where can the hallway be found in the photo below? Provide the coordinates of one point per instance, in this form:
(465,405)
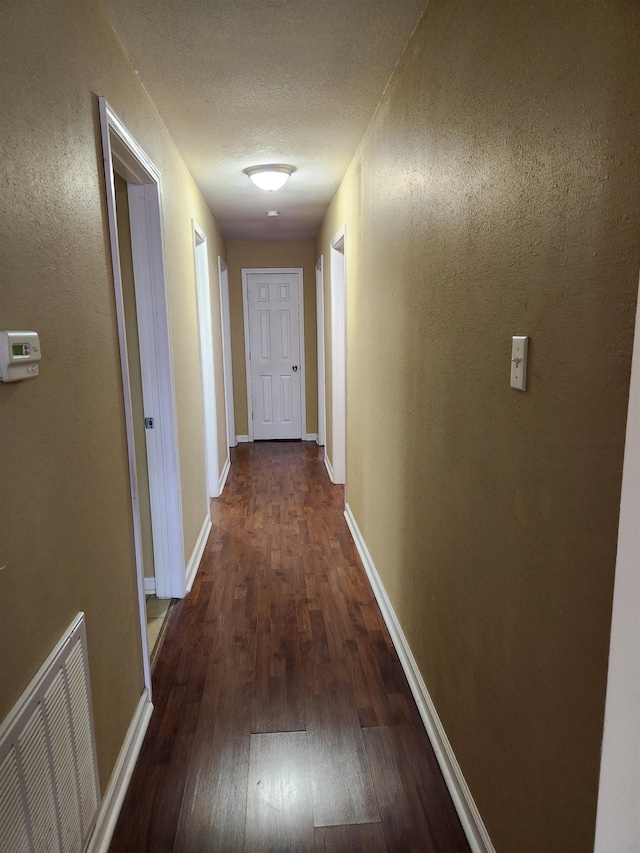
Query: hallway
(283,720)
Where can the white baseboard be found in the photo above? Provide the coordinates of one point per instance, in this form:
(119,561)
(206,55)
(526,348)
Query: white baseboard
(472,823)
(327,465)
(120,778)
(224,475)
(309,436)
(198,551)
(149,586)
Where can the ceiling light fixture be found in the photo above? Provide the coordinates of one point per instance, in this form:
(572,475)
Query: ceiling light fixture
(270,178)
(273,213)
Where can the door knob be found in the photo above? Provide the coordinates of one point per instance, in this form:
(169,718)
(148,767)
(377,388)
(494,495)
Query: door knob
(295,368)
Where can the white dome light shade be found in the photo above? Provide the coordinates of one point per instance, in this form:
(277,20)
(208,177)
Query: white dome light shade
(270,178)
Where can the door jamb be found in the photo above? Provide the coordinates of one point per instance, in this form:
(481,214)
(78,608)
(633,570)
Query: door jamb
(144,191)
(322,391)
(617,820)
(227,360)
(247,345)
(338,357)
(207,367)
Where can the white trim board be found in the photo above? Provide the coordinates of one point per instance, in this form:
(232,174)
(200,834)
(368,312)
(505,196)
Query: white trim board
(198,551)
(470,818)
(149,586)
(227,358)
(120,778)
(310,436)
(322,402)
(224,474)
(327,465)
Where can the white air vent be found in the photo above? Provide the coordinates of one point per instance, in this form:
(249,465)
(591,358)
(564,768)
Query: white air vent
(49,793)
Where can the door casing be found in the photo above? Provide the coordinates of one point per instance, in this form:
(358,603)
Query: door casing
(225,313)
(338,466)
(207,371)
(120,148)
(618,820)
(322,404)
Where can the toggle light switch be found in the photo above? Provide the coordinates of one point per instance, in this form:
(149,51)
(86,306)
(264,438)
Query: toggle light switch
(519,347)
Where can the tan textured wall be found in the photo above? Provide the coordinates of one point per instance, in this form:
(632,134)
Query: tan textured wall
(496,193)
(65,510)
(245,254)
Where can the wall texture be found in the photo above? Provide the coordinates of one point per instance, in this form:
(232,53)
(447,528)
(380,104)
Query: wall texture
(245,254)
(66,541)
(496,193)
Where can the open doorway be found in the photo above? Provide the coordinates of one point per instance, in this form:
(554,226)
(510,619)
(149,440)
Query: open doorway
(135,378)
(149,392)
(337,468)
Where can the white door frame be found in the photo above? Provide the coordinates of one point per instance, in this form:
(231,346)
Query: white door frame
(144,190)
(618,819)
(338,467)
(322,391)
(207,371)
(225,314)
(247,344)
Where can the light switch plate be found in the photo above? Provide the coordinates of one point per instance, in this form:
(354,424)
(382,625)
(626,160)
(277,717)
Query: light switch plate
(519,349)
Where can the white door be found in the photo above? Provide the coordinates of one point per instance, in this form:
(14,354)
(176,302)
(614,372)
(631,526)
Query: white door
(273,301)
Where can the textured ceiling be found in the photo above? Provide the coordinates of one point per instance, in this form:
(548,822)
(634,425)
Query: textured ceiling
(243,82)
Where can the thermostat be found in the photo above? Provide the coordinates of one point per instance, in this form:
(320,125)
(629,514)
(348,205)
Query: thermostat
(19,355)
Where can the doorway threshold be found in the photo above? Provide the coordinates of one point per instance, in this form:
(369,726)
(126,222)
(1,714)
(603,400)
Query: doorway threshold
(159,611)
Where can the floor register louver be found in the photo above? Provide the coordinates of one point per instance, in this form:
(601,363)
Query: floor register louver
(49,790)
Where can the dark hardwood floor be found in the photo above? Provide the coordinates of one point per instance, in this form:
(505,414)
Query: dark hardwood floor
(283,721)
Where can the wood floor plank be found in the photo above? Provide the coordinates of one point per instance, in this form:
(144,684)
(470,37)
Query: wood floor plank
(149,815)
(341,783)
(361,838)
(214,803)
(280,643)
(417,813)
(382,700)
(214,799)
(278,703)
(279,809)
